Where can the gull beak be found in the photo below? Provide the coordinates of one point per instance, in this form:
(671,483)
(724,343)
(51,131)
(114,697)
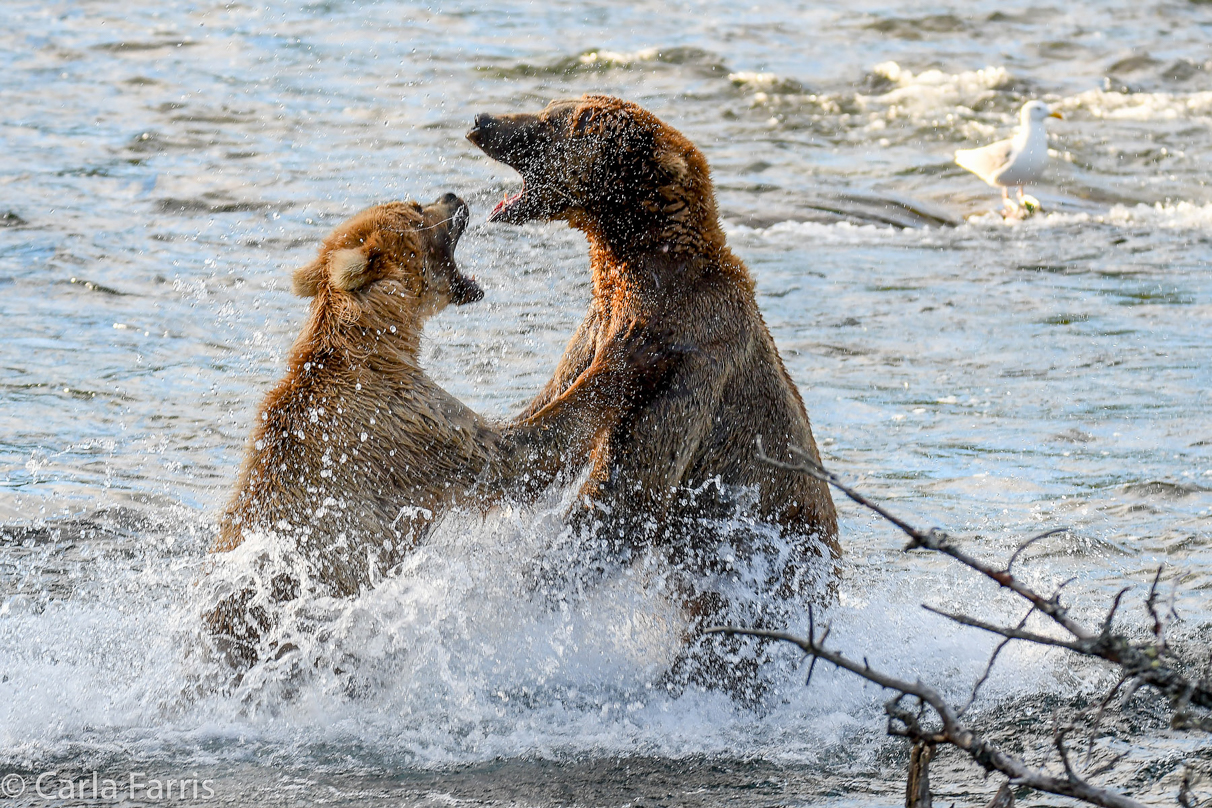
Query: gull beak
(1056,115)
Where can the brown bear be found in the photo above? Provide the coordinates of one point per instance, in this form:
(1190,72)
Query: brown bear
(356,447)
(662,470)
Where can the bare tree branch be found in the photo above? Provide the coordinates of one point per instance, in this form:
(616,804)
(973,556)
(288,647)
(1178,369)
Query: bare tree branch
(953,732)
(933,539)
(917,784)
(1140,663)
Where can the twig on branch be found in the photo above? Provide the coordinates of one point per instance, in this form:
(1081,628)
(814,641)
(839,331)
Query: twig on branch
(1098,717)
(1151,605)
(1031,541)
(992,659)
(1009,633)
(1110,618)
(1004,798)
(1185,797)
(1058,740)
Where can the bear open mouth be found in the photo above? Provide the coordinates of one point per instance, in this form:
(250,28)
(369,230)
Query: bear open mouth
(503,209)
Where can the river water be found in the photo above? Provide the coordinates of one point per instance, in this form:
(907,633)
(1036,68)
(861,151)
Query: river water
(165,167)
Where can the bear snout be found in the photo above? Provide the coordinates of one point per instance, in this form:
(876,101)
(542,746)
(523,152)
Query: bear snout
(481,132)
(484,130)
(510,139)
(482,122)
(448,218)
(458,219)
(464,290)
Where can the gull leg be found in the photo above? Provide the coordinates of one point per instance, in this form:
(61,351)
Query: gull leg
(1006,203)
(1029,204)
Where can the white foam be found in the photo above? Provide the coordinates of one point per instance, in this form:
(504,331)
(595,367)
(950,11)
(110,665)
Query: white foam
(793,233)
(643,56)
(1172,216)
(933,90)
(937,95)
(1169,215)
(450,660)
(1140,106)
(763,83)
(607,58)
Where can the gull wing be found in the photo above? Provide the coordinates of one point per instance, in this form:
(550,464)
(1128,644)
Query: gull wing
(987,162)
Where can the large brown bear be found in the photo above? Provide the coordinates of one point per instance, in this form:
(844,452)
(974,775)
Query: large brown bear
(356,448)
(642,194)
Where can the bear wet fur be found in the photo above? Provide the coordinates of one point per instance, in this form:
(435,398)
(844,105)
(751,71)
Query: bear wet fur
(642,194)
(356,449)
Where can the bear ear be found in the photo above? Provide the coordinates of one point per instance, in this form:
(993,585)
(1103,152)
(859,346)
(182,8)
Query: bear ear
(584,118)
(347,268)
(306,280)
(596,115)
(673,163)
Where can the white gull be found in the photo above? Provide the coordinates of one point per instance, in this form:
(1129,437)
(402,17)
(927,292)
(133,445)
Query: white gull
(1016,161)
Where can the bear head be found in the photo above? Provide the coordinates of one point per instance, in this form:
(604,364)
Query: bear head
(391,263)
(607,167)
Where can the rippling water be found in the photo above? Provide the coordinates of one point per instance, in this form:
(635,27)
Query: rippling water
(165,167)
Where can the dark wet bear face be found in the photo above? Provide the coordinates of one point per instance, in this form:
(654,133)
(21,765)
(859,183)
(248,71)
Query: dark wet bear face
(396,255)
(597,157)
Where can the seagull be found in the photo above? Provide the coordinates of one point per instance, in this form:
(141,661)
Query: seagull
(1017,160)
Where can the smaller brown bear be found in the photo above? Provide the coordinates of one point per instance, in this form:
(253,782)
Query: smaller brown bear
(356,448)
